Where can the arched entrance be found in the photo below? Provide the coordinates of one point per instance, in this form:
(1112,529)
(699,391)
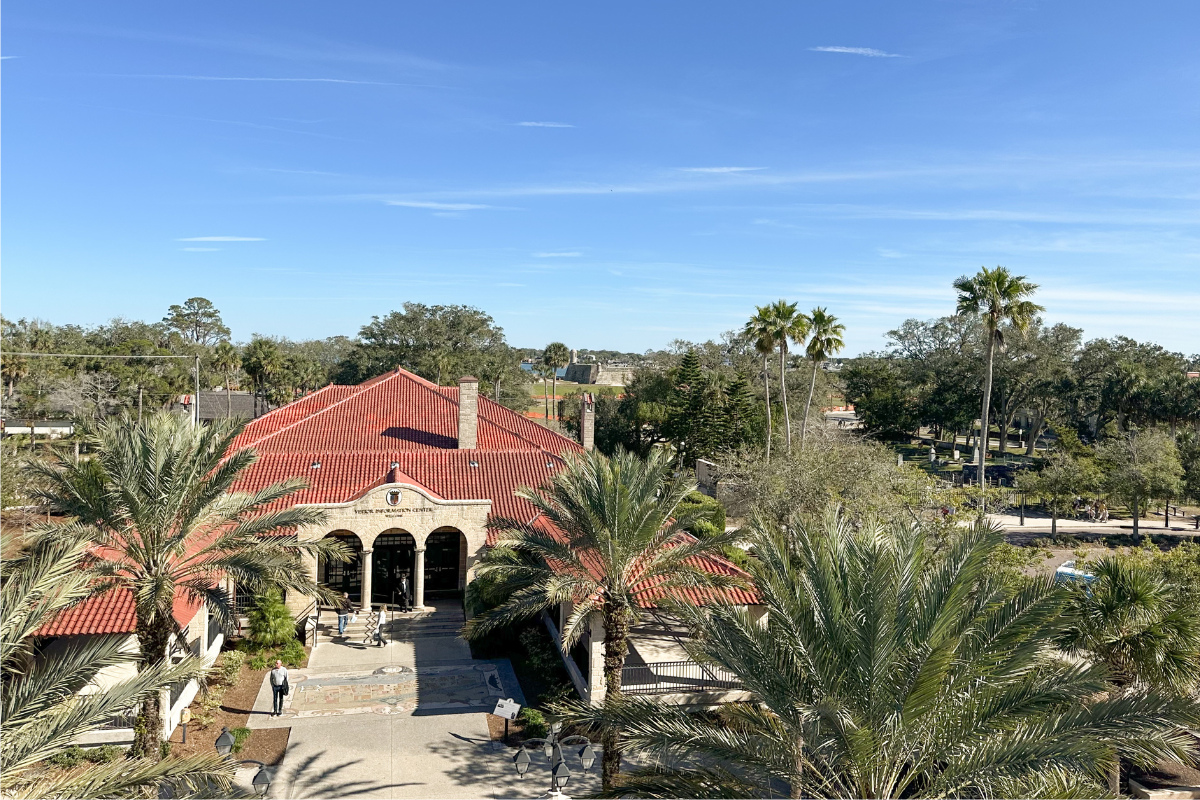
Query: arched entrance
(392,556)
(445,561)
(343,576)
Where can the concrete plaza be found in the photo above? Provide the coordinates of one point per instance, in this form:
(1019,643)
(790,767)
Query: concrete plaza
(404,720)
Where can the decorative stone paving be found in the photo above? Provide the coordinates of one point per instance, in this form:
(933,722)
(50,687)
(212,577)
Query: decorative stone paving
(448,689)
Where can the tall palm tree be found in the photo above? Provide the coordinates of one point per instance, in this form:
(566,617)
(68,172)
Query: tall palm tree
(609,535)
(1133,622)
(156,505)
(825,340)
(786,324)
(544,371)
(760,331)
(43,709)
(556,356)
(998,297)
(886,669)
(226,361)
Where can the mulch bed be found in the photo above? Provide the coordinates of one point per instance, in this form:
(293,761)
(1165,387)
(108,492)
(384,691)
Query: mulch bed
(1166,775)
(265,745)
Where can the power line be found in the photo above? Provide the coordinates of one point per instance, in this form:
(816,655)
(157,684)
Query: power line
(94,355)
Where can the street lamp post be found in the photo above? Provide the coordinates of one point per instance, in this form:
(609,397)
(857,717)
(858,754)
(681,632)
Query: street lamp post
(262,778)
(552,747)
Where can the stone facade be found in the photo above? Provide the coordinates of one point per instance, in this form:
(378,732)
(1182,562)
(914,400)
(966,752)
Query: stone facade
(414,512)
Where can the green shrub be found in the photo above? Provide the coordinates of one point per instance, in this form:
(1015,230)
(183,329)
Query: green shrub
(229,665)
(292,654)
(271,623)
(737,555)
(535,723)
(542,655)
(240,736)
(258,661)
(712,509)
(103,755)
(164,750)
(68,758)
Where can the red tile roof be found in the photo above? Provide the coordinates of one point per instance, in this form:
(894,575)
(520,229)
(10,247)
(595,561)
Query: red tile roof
(355,433)
(111,612)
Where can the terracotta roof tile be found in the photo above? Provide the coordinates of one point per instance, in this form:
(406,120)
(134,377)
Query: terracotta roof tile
(111,612)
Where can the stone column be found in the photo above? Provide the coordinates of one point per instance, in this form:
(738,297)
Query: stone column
(366,580)
(595,673)
(419,580)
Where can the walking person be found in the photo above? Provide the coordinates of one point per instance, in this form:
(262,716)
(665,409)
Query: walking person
(279,687)
(343,613)
(405,600)
(379,629)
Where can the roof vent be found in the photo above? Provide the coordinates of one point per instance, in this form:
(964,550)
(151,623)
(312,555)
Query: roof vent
(473,463)
(395,465)
(549,465)
(316,465)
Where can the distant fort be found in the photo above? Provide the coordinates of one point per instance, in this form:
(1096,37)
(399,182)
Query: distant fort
(599,374)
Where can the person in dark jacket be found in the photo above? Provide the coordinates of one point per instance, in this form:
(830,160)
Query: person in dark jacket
(343,613)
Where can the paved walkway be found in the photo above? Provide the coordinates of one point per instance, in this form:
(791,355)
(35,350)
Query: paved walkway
(404,720)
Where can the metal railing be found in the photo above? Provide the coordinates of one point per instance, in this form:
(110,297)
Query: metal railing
(306,624)
(672,677)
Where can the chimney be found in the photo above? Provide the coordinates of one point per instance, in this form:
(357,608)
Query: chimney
(468,411)
(587,421)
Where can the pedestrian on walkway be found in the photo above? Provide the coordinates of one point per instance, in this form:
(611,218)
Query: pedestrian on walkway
(405,599)
(379,629)
(279,687)
(343,612)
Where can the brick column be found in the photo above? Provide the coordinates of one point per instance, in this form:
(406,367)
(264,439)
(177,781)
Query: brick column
(366,580)
(419,580)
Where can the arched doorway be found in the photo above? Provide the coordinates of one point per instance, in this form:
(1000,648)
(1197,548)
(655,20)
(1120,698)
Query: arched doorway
(444,561)
(343,576)
(392,555)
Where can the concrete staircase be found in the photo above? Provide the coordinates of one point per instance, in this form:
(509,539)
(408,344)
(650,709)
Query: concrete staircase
(441,622)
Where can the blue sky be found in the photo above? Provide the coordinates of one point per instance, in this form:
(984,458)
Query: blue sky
(609,175)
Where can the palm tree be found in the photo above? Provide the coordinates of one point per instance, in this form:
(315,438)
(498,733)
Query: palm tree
(886,669)
(44,711)
(609,535)
(760,331)
(998,297)
(785,324)
(156,503)
(556,356)
(226,361)
(826,340)
(262,362)
(544,371)
(1134,623)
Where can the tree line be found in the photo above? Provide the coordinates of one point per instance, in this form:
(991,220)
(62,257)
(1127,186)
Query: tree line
(440,343)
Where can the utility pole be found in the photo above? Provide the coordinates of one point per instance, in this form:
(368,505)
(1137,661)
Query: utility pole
(196,397)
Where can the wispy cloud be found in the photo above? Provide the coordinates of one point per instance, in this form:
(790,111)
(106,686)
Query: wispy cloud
(857,51)
(3,58)
(200,249)
(544,125)
(436,206)
(720,169)
(222,239)
(272,80)
(557,255)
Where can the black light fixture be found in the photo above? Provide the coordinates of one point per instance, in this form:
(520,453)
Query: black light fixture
(262,779)
(552,747)
(224,743)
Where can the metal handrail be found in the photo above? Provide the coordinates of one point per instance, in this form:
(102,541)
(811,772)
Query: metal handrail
(670,677)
